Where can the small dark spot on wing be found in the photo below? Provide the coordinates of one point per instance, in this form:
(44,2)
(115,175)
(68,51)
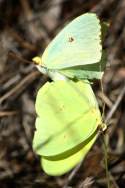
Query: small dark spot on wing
(70,39)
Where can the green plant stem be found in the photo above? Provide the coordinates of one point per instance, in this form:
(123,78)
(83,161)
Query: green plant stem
(103,108)
(106,160)
(104,140)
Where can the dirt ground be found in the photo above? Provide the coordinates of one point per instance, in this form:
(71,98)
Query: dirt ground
(26,27)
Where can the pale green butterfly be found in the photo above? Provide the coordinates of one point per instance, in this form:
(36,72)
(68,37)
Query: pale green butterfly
(68,117)
(76,51)
(66,132)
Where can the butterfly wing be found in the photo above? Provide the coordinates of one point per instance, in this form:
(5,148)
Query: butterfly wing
(94,71)
(58,166)
(68,114)
(77,44)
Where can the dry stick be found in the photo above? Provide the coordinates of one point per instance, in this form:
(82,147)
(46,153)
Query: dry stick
(116,104)
(100,7)
(21,86)
(108,117)
(8,113)
(113,181)
(28,15)
(105,99)
(23,43)
(13,80)
(19,58)
(72,174)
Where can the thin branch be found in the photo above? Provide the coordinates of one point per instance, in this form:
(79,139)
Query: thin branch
(72,174)
(116,104)
(20,86)
(8,113)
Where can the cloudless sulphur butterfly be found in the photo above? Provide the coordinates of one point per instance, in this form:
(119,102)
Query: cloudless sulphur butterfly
(77,50)
(68,113)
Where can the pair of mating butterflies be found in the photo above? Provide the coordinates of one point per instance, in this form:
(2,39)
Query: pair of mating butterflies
(68,113)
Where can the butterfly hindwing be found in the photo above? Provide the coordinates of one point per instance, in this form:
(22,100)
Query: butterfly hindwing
(68,114)
(58,166)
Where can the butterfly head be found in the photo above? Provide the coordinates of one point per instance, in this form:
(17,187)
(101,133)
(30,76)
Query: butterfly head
(38,63)
(37,60)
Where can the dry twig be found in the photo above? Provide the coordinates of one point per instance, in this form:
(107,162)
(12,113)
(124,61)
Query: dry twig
(20,86)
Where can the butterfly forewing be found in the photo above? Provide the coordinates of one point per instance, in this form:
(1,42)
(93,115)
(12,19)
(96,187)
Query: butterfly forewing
(78,43)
